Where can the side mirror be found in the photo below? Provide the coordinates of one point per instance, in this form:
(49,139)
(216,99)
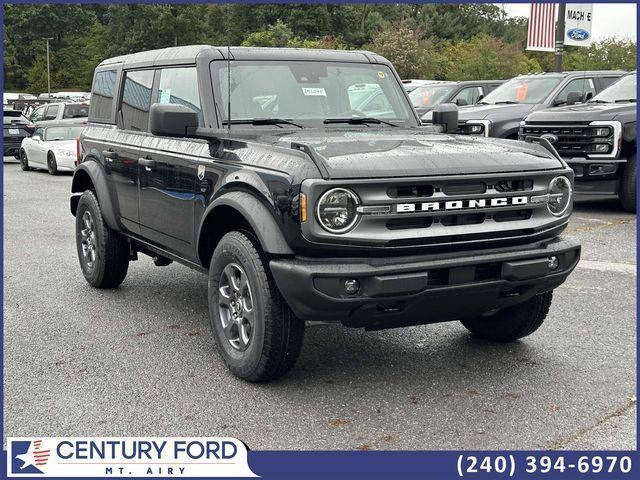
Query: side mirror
(171,119)
(573,98)
(446,114)
(461,102)
(480,97)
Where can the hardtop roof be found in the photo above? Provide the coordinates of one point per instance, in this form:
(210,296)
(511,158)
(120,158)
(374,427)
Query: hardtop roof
(188,55)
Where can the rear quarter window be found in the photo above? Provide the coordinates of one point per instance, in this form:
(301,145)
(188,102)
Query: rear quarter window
(102,93)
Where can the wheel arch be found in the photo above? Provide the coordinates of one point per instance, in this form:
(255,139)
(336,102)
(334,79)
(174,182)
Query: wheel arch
(238,210)
(90,176)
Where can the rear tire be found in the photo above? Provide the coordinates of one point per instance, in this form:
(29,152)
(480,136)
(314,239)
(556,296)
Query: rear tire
(257,334)
(512,323)
(52,165)
(628,185)
(24,161)
(103,252)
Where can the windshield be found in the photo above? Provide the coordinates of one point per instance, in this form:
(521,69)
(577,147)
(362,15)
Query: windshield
(62,133)
(429,95)
(621,91)
(309,93)
(523,90)
(76,110)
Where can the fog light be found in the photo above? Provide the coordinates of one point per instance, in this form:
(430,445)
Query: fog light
(351,286)
(553,263)
(601,147)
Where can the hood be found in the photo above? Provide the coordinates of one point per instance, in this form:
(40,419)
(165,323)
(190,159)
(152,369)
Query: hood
(584,112)
(516,111)
(386,152)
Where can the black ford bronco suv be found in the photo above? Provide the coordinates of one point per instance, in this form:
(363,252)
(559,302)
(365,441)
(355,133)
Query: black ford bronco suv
(256,166)
(597,139)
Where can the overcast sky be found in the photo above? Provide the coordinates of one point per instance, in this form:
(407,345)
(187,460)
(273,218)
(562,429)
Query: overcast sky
(609,19)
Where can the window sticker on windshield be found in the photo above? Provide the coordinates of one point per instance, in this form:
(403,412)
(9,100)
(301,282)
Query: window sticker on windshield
(165,95)
(314,92)
(381,74)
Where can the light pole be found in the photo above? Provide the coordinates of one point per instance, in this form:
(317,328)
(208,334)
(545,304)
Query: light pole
(48,68)
(562,8)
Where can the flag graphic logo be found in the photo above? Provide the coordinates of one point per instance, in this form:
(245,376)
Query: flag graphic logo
(29,456)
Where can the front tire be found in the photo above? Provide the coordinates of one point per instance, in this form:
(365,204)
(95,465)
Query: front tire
(257,334)
(52,165)
(103,252)
(512,323)
(24,161)
(628,185)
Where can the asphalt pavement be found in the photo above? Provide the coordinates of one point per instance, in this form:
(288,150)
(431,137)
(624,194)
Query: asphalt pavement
(140,360)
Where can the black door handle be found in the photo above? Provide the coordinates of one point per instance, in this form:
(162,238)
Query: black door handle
(147,162)
(109,154)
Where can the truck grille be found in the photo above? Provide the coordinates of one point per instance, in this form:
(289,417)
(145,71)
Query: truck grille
(577,139)
(444,210)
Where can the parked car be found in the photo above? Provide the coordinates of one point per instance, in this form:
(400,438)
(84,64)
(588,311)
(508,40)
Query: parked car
(499,114)
(597,139)
(54,113)
(52,148)
(319,213)
(425,97)
(15,127)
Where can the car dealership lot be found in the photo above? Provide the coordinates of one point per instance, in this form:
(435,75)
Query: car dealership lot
(140,360)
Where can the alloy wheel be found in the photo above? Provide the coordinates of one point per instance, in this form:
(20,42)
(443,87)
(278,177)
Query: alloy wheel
(88,241)
(235,306)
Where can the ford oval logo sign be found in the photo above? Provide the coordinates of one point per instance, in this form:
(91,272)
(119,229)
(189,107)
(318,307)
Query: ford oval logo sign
(578,34)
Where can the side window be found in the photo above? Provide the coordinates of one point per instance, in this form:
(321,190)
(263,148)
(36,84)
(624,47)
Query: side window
(38,114)
(52,112)
(606,81)
(469,95)
(39,132)
(136,100)
(180,85)
(104,84)
(583,85)
(75,110)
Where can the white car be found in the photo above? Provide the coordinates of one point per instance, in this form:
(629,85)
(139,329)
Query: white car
(52,148)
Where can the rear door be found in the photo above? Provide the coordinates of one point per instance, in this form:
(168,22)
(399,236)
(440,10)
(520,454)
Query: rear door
(168,168)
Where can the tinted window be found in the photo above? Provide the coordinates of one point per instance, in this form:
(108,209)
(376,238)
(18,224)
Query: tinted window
(136,100)
(180,85)
(104,85)
(606,81)
(430,95)
(622,91)
(469,95)
(52,112)
(584,86)
(75,110)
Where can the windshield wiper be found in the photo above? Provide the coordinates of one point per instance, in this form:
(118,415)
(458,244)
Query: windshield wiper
(358,121)
(624,100)
(483,103)
(507,102)
(598,101)
(263,121)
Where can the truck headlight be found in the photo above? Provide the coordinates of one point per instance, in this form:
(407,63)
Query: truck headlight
(477,127)
(337,210)
(602,131)
(559,196)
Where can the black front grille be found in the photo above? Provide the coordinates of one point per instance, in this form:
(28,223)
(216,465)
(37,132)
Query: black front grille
(574,140)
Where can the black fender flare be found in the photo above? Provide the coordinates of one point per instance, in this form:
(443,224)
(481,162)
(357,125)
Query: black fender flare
(98,179)
(259,217)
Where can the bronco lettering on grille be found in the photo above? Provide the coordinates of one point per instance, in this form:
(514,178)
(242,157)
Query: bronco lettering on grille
(468,204)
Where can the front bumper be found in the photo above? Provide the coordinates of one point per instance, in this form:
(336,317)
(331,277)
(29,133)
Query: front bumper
(417,290)
(595,176)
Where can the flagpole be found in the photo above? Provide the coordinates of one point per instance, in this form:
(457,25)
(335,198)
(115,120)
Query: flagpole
(562,7)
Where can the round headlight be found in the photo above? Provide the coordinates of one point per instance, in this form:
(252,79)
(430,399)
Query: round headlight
(336,210)
(559,195)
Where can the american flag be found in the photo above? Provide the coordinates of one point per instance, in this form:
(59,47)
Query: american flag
(542,27)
